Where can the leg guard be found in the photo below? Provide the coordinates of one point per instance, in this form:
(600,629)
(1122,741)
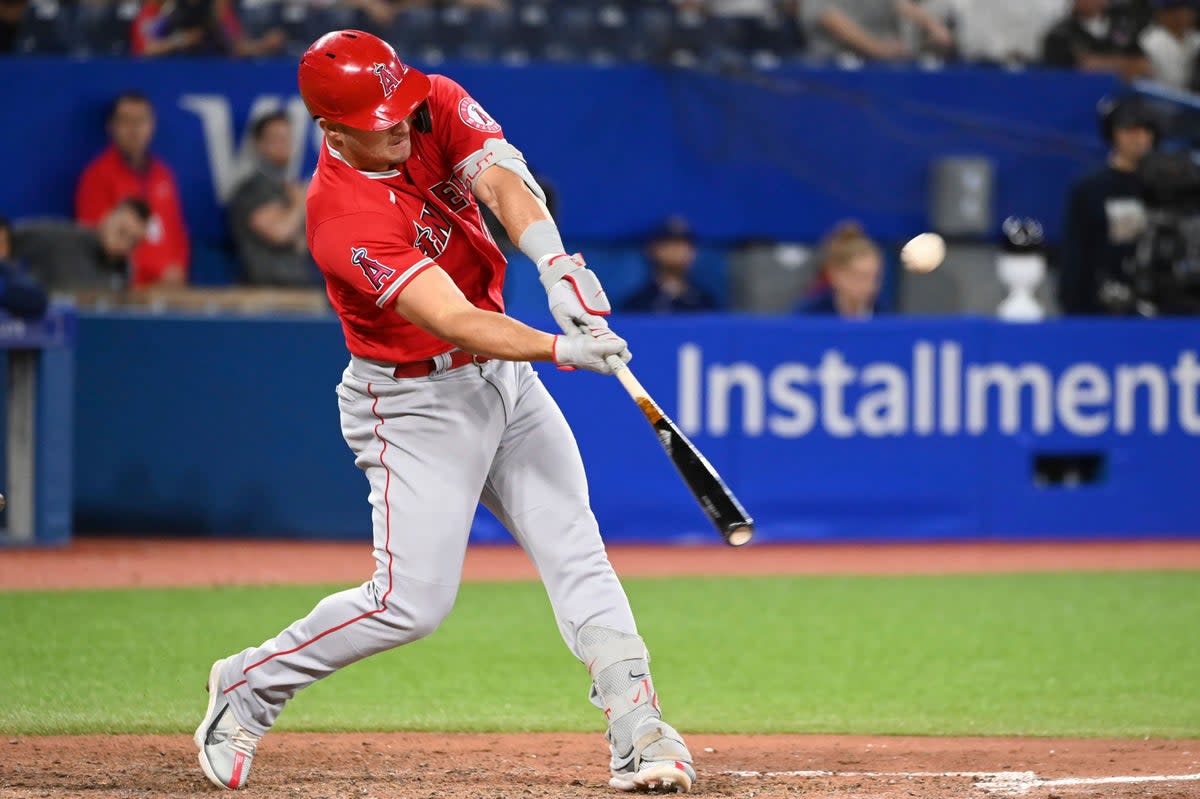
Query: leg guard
(647,753)
(621,685)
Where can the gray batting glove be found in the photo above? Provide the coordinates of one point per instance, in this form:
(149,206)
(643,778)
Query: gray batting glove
(590,350)
(577,300)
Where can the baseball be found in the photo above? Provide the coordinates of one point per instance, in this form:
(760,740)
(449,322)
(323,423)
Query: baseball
(924,253)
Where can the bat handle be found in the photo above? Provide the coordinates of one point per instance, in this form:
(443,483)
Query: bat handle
(631,383)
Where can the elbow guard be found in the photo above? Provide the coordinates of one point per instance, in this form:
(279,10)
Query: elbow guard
(496,152)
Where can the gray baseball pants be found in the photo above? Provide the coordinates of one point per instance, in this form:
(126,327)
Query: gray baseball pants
(433,448)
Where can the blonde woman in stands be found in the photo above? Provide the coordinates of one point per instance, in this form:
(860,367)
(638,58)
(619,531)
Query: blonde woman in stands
(847,283)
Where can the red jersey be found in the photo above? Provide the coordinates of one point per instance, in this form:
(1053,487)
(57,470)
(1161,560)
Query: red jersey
(371,233)
(108,180)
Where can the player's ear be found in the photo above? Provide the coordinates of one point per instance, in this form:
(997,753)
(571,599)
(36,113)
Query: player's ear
(332,130)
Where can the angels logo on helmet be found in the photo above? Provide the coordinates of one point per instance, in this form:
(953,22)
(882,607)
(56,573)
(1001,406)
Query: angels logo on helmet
(387,79)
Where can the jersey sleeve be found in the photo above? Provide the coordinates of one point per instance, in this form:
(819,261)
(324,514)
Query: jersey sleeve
(363,251)
(459,121)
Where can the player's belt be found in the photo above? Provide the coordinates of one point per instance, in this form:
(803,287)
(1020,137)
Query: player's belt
(437,364)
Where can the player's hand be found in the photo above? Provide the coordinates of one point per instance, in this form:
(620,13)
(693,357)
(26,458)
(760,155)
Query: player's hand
(577,300)
(590,350)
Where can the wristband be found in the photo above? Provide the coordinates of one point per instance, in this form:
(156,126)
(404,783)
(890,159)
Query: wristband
(541,239)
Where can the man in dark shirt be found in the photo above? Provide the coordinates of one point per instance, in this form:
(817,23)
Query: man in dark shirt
(671,254)
(1106,213)
(65,256)
(1092,39)
(267,212)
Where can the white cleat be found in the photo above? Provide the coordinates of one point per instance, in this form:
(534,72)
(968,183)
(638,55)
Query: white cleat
(660,762)
(226,748)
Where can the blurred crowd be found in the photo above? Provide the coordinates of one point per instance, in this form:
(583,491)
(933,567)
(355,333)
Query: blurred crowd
(1136,38)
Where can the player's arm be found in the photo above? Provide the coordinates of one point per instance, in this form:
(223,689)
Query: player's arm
(496,173)
(512,201)
(499,178)
(433,303)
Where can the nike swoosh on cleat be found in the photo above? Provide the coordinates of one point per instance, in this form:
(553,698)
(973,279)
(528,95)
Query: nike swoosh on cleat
(633,676)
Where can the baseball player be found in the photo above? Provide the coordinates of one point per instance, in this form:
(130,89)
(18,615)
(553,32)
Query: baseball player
(440,405)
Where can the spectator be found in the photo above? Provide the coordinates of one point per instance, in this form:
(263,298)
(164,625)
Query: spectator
(870,29)
(1106,214)
(1171,42)
(1003,33)
(128,169)
(1093,40)
(671,253)
(851,268)
(267,212)
(197,27)
(19,295)
(65,256)
(748,27)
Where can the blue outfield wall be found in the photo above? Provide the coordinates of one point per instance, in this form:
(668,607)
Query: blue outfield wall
(897,429)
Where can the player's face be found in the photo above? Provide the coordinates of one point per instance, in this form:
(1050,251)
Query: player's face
(373,151)
(132,127)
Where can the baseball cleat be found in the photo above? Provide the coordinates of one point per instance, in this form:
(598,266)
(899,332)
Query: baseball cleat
(660,761)
(226,748)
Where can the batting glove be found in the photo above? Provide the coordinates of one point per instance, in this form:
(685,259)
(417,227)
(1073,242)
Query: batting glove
(577,300)
(590,350)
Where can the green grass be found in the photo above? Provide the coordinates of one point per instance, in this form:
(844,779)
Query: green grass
(1061,654)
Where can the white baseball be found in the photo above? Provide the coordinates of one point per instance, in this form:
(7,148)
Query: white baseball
(924,253)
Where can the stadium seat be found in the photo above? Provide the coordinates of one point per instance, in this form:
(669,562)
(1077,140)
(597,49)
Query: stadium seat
(473,33)
(413,32)
(293,20)
(650,31)
(330,17)
(46,27)
(259,16)
(103,28)
(770,278)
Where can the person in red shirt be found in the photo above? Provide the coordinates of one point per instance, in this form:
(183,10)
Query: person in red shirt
(440,405)
(128,169)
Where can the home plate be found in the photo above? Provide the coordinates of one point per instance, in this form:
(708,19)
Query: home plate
(999,783)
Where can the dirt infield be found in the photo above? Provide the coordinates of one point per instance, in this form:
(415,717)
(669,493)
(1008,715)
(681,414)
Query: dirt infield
(515,766)
(317,766)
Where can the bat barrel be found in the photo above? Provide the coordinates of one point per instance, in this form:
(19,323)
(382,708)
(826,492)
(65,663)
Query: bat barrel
(737,535)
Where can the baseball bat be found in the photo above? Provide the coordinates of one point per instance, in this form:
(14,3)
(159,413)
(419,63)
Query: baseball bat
(715,498)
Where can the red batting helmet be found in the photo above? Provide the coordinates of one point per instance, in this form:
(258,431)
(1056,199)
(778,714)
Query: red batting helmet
(355,78)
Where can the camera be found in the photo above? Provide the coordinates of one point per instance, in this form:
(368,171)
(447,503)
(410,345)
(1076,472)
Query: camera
(1164,270)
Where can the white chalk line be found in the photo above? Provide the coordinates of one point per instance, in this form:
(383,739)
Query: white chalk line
(1011,783)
